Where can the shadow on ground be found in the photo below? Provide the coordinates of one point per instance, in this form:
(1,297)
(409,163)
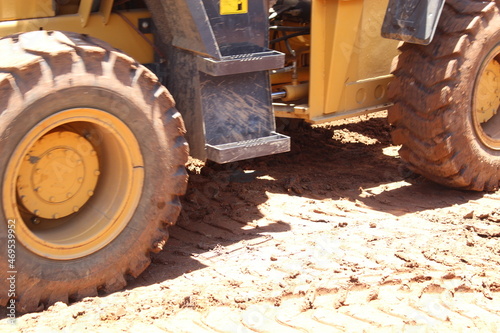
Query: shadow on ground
(352,161)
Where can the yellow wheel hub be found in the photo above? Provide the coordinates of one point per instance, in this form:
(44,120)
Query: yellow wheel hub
(73,183)
(58,175)
(486,102)
(488,99)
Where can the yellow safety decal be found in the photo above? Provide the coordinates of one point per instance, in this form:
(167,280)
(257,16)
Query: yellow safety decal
(229,7)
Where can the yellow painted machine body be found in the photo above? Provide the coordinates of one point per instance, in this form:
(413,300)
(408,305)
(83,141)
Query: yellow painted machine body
(344,63)
(94,18)
(349,62)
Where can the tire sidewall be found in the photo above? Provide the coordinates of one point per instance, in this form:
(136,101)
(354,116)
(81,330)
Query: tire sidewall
(469,72)
(113,258)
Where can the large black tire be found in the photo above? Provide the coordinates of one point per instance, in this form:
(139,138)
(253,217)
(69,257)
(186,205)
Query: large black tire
(435,117)
(56,75)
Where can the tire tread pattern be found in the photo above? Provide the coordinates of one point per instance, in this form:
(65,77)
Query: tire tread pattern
(424,105)
(50,58)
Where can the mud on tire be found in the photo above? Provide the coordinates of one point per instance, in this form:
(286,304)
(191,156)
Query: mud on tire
(60,92)
(437,113)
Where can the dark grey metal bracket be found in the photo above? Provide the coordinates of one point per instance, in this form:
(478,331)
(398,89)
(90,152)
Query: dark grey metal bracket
(412,21)
(218,72)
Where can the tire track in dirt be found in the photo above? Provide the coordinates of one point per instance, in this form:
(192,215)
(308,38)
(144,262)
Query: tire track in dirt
(334,236)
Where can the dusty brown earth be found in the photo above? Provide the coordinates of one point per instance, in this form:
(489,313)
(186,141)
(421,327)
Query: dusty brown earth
(334,236)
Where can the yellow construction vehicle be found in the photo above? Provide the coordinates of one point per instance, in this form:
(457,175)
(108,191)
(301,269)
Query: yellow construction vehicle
(93,146)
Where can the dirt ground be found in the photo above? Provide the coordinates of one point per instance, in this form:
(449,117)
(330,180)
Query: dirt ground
(336,235)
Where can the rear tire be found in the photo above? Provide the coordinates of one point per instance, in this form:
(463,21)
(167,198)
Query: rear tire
(439,101)
(100,136)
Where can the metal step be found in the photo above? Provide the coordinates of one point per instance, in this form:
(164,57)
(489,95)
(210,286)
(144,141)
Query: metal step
(229,152)
(241,63)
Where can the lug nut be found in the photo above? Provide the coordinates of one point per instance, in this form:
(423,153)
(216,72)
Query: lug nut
(35,220)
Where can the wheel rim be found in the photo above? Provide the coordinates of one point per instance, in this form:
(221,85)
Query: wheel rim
(486,101)
(73,183)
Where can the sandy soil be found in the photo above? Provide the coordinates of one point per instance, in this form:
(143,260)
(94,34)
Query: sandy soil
(336,235)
